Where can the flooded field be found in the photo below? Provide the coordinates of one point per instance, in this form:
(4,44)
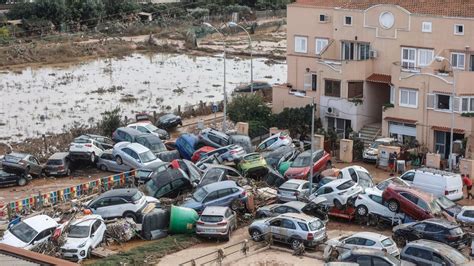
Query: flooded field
(43,100)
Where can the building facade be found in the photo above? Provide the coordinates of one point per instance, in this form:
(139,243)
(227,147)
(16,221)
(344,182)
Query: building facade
(395,65)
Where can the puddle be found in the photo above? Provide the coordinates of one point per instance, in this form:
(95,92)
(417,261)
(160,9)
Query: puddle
(36,101)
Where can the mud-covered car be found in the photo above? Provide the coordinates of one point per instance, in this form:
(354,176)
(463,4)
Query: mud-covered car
(22,163)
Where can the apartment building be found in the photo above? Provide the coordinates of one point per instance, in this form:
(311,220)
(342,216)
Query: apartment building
(393,65)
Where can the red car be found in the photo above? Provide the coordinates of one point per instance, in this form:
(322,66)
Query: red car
(416,204)
(198,154)
(300,167)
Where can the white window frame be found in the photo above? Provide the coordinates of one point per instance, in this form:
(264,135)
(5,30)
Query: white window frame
(456,32)
(457,66)
(409,61)
(423,64)
(427,26)
(321,43)
(344,21)
(307,81)
(408,91)
(469,105)
(450,103)
(392,94)
(297,39)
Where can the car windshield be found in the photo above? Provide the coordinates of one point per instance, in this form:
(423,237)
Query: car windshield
(445,203)
(387,242)
(212,175)
(434,207)
(211,218)
(384,184)
(54,162)
(151,127)
(301,161)
(147,156)
(375,145)
(158,147)
(289,185)
(151,187)
(23,232)
(346,185)
(365,181)
(137,196)
(199,195)
(315,225)
(78,231)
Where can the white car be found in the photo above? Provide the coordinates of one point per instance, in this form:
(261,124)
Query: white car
(337,193)
(30,232)
(392,180)
(83,235)
(466,216)
(372,152)
(293,189)
(89,147)
(371,202)
(361,240)
(147,127)
(358,174)
(275,141)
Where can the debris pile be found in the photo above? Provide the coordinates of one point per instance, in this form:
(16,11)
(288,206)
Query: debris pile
(122,230)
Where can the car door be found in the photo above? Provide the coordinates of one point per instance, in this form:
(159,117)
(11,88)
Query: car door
(35,166)
(100,207)
(96,234)
(280,210)
(288,229)
(351,242)
(417,231)
(225,197)
(433,232)
(117,206)
(276,230)
(408,204)
(211,199)
(43,236)
(419,256)
(231,218)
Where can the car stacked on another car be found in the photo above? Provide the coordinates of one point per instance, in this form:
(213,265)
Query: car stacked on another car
(198,154)
(273,210)
(293,189)
(83,235)
(30,232)
(358,174)
(253,165)
(290,228)
(89,147)
(219,173)
(230,153)
(58,164)
(8,179)
(168,183)
(301,166)
(149,128)
(22,164)
(274,142)
(216,221)
(214,138)
(338,193)
(135,155)
(370,257)
(371,202)
(169,121)
(108,163)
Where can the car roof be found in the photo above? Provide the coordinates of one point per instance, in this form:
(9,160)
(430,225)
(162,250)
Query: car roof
(300,216)
(442,222)
(368,251)
(295,204)
(336,182)
(214,210)
(137,147)
(125,192)
(87,220)
(40,222)
(140,123)
(150,137)
(130,131)
(357,168)
(370,235)
(431,244)
(468,208)
(220,185)
(297,181)
(418,193)
(58,155)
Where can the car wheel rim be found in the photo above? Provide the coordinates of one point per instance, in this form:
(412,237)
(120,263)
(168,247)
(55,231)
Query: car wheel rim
(295,244)
(392,206)
(361,211)
(22,182)
(255,235)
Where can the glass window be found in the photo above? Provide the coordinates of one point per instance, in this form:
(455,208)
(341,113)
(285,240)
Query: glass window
(443,102)
(225,192)
(380,262)
(147,156)
(116,201)
(387,242)
(142,129)
(281,209)
(163,191)
(355,89)
(377,199)
(346,185)
(320,45)
(408,58)
(348,51)
(315,225)
(458,29)
(348,20)
(364,51)
(438,259)
(353,174)
(408,176)
(275,222)
(303,226)
(458,60)
(199,194)
(468,213)
(332,88)
(288,224)
(301,44)
(408,98)
(212,218)
(177,183)
(369,242)
(364,260)
(426,27)
(420,227)
(212,196)
(425,57)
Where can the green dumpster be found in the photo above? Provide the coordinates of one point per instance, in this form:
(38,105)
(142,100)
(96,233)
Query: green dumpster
(182,220)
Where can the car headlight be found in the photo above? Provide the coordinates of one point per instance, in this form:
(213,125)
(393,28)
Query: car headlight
(82,245)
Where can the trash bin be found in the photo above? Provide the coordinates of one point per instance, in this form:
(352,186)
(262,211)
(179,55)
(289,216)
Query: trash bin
(182,220)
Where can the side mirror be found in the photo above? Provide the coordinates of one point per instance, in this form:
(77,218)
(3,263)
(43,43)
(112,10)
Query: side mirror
(92,235)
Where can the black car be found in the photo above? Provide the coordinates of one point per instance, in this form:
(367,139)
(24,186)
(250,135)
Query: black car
(435,229)
(368,257)
(257,86)
(143,175)
(9,179)
(273,157)
(169,184)
(448,206)
(169,121)
(125,134)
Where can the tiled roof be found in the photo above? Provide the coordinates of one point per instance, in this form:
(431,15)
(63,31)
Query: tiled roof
(400,120)
(448,129)
(380,78)
(452,8)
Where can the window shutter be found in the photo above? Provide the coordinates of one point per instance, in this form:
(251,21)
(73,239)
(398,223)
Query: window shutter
(430,101)
(307,81)
(457,105)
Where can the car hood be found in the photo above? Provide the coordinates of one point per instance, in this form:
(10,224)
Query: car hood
(371,151)
(153,164)
(73,243)
(297,171)
(402,226)
(335,241)
(151,199)
(317,199)
(191,203)
(11,240)
(267,208)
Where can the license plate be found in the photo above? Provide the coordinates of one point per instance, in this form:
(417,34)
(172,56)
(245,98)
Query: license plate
(53,173)
(287,194)
(210,230)
(68,255)
(78,146)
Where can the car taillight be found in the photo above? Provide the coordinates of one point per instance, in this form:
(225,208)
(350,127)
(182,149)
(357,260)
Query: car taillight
(244,193)
(233,152)
(446,192)
(296,193)
(88,145)
(222,223)
(452,238)
(200,223)
(282,137)
(310,236)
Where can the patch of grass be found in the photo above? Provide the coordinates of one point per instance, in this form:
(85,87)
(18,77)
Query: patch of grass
(150,253)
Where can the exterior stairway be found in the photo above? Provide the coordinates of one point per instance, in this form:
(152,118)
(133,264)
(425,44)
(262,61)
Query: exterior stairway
(369,133)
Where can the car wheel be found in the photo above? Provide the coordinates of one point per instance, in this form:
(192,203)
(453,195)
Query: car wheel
(393,206)
(362,210)
(401,241)
(338,204)
(89,253)
(130,215)
(256,235)
(27,171)
(236,205)
(227,236)
(261,216)
(118,160)
(68,172)
(295,244)
(103,168)
(22,181)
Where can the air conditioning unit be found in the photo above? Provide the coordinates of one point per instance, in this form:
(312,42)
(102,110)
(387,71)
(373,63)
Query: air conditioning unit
(331,111)
(324,18)
(373,54)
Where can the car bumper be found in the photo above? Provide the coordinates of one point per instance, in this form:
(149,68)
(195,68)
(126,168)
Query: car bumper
(75,256)
(55,173)
(368,157)
(211,232)
(321,238)
(79,155)
(286,198)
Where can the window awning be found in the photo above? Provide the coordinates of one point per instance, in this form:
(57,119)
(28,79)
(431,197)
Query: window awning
(380,78)
(448,129)
(400,120)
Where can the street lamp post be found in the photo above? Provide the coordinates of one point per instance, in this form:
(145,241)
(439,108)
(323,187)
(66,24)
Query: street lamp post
(301,95)
(233,24)
(224,121)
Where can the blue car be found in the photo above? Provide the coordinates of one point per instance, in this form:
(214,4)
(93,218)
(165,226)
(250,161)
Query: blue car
(186,145)
(225,194)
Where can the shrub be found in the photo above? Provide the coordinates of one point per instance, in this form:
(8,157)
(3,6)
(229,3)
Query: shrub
(111,120)
(4,32)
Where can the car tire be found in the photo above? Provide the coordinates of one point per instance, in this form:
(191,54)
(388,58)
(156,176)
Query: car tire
(295,243)
(22,181)
(103,167)
(93,157)
(89,253)
(362,211)
(227,236)
(236,205)
(118,160)
(130,215)
(338,204)
(27,171)
(401,241)
(256,235)
(393,205)
(68,172)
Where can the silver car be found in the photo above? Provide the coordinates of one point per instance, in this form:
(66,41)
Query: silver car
(228,153)
(106,162)
(293,189)
(291,228)
(216,222)
(135,155)
(276,141)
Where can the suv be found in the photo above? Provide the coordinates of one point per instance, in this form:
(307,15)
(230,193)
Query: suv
(22,163)
(89,147)
(216,222)
(149,128)
(276,141)
(290,228)
(427,253)
(372,152)
(126,134)
(124,202)
(213,138)
(432,229)
(58,165)
(338,193)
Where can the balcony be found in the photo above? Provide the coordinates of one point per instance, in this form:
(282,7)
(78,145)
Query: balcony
(346,69)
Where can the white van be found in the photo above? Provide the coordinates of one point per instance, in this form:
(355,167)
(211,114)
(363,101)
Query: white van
(436,182)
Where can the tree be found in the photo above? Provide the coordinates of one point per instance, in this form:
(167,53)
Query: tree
(296,120)
(120,7)
(111,120)
(252,109)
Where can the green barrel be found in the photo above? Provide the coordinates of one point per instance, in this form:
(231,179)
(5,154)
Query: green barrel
(182,220)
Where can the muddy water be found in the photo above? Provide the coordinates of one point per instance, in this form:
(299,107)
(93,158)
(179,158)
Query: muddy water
(36,101)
